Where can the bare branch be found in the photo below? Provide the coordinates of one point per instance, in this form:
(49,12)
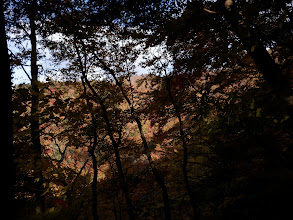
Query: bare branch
(21,65)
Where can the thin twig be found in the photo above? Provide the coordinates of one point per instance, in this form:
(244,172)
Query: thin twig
(21,65)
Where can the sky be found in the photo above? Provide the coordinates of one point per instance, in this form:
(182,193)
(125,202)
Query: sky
(19,76)
(45,65)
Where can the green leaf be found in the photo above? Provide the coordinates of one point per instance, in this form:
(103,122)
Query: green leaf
(275,121)
(286,117)
(258,112)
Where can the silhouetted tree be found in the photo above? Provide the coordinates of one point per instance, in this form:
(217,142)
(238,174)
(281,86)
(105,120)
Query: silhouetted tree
(9,171)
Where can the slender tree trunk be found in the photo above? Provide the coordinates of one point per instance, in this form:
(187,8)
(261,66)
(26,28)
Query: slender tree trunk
(9,171)
(185,149)
(159,179)
(116,144)
(34,119)
(94,159)
(94,186)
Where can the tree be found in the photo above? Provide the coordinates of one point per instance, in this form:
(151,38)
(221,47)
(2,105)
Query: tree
(35,133)
(8,124)
(119,71)
(110,130)
(255,42)
(176,107)
(156,173)
(115,144)
(92,150)
(23,19)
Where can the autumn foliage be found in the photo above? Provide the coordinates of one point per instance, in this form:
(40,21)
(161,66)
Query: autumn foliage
(151,109)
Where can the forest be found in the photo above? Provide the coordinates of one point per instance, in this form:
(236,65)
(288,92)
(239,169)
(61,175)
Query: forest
(153,109)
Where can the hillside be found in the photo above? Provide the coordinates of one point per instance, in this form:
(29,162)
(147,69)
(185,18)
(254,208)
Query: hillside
(66,136)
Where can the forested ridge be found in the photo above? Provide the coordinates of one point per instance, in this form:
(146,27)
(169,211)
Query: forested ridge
(157,109)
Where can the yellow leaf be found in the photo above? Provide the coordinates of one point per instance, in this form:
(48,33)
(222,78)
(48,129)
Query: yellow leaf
(258,111)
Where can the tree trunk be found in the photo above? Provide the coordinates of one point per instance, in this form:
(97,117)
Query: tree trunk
(159,179)
(94,159)
(9,171)
(34,118)
(94,186)
(185,149)
(123,183)
(115,144)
